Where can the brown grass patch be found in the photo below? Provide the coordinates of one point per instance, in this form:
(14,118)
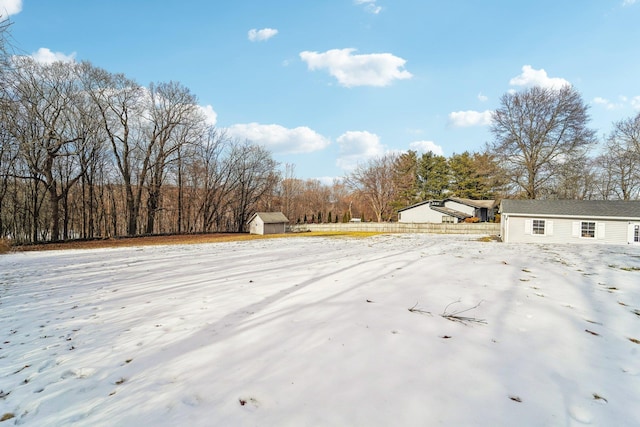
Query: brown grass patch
(182,239)
(5,245)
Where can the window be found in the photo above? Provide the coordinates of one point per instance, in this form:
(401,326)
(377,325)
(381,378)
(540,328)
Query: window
(588,229)
(446,219)
(636,233)
(538,226)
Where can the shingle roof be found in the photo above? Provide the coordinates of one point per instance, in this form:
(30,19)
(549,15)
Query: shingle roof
(489,204)
(451,212)
(270,217)
(582,208)
(415,205)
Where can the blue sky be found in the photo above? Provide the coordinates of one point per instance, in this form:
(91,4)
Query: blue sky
(326,84)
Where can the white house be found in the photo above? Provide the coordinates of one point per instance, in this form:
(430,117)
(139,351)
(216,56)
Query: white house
(449,210)
(268,223)
(570,221)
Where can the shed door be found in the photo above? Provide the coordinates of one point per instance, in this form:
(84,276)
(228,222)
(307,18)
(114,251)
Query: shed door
(634,233)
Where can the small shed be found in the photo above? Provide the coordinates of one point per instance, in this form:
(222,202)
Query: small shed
(570,221)
(268,223)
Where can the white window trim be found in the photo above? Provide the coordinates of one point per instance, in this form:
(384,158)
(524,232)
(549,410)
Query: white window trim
(548,227)
(598,231)
(595,230)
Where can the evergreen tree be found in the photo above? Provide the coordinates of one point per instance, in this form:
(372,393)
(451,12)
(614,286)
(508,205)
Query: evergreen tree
(433,176)
(405,180)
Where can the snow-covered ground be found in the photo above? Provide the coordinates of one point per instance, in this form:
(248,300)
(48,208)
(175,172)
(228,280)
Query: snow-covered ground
(308,331)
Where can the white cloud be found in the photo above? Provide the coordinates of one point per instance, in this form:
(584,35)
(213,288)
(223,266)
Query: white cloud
(604,102)
(375,69)
(623,102)
(369,5)
(261,35)
(357,147)
(426,146)
(470,118)
(210,115)
(531,77)
(10,7)
(482,98)
(628,2)
(46,56)
(280,139)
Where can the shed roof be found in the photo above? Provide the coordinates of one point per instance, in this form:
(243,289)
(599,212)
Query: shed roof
(270,217)
(581,208)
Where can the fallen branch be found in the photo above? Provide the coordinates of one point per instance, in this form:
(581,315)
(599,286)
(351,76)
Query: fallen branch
(455,316)
(419,310)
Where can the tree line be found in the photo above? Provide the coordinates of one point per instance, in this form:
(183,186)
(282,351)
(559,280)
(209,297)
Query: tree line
(542,148)
(86,153)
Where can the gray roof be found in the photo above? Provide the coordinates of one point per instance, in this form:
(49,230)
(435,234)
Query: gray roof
(579,208)
(270,217)
(489,204)
(415,205)
(450,212)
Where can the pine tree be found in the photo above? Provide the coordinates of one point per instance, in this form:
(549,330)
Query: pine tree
(433,176)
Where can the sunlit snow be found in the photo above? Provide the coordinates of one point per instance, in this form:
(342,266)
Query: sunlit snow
(309,331)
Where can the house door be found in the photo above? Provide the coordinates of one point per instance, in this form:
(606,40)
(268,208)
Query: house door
(634,233)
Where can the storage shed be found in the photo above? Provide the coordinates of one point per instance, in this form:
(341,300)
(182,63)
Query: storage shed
(268,223)
(570,221)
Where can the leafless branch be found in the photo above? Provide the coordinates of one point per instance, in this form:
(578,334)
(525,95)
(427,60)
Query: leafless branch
(418,310)
(455,315)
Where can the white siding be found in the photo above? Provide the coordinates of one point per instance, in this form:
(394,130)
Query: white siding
(256,226)
(469,210)
(422,213)
(631,233)
(562,230)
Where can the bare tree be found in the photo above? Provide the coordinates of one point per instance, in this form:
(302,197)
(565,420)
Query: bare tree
(620,162)
(576,178)
(374,182)
(255,174)
(535,132)
(212,173)
(290,191)
(172,115)
(43,101)
(119,101)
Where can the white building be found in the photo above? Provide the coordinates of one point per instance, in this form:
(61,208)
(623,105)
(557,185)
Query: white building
(570,221)
(450,210)
(268,223)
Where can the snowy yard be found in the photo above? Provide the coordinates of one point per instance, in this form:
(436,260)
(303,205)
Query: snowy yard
(309,331)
